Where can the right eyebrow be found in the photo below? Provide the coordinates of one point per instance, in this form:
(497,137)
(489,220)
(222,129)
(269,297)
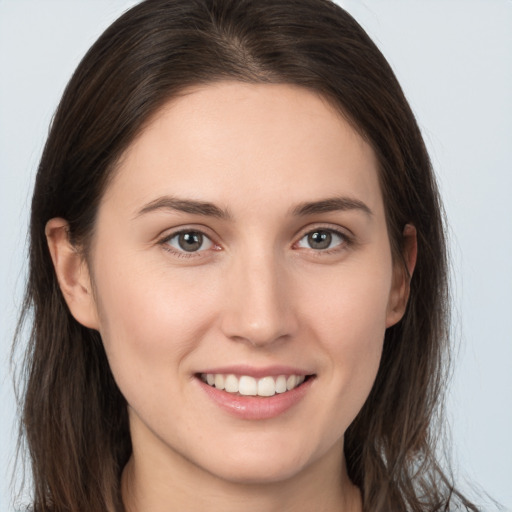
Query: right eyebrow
(185,205)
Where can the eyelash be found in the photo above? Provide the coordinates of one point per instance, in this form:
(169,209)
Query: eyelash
(346,241)
(164,242)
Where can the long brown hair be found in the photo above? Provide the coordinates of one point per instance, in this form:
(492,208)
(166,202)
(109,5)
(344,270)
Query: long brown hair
(74,421)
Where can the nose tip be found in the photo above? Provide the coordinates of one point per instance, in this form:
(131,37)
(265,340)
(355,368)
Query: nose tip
(259,309)
(258,333)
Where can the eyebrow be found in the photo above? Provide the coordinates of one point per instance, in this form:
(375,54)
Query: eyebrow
(187,206)
(331,204)
(207,209)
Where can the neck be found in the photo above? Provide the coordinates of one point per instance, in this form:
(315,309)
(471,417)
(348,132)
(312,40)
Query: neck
(170,485)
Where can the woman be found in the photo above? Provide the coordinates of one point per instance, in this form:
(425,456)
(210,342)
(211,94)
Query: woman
(238,272)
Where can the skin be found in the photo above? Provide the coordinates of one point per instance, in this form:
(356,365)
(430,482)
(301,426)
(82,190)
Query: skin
(258,294)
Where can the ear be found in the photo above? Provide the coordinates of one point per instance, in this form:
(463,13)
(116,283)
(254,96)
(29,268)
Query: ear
(72,273)
(402,277)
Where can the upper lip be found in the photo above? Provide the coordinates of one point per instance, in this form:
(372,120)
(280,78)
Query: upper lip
(256,372)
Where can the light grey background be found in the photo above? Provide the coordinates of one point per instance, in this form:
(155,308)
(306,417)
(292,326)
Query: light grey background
(454,60)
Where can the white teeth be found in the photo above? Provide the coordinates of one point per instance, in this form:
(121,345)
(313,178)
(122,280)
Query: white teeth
(266,386)
(219,381)
(281,384)
(291,382)
(231,384)
(249,386)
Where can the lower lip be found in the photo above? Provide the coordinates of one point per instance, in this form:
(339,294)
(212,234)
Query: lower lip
(255,407)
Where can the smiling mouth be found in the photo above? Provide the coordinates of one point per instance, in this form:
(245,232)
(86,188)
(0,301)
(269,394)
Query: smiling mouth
(245,385)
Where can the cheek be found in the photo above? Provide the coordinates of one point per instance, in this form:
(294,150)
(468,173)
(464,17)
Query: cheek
(349,322)
(350,303)
(149,319)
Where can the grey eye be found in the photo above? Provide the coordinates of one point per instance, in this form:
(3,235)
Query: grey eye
(321,239)
(190,241)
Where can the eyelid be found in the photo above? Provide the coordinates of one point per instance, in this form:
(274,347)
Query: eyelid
(347,236)
(163,240)
(325,226)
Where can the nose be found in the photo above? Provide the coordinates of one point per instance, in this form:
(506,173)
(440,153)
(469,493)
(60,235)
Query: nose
(259,307)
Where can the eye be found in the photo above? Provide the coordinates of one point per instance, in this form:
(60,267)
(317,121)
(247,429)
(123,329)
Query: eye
(189,241)
(322,239)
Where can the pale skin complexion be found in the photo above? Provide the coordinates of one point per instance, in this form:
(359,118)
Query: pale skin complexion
(292,266)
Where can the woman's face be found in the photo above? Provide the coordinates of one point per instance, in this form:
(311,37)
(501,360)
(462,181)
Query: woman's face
(244,235)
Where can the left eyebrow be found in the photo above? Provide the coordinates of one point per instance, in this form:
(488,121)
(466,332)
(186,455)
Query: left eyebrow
(331,204)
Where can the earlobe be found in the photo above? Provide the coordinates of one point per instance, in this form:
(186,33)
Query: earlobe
(402,276)
(72,273)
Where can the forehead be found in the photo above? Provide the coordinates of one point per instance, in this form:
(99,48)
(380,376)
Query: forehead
(231,142)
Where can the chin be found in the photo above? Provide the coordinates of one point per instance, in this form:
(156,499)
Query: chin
(259,464)
(248,472)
